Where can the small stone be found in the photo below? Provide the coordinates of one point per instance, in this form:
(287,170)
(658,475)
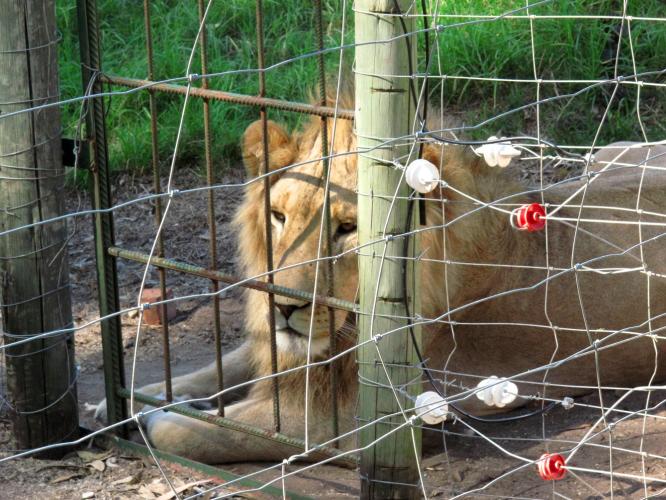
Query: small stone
(88,494)
(457,476)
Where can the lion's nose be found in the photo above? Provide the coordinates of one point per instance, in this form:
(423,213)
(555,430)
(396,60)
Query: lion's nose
(286,310)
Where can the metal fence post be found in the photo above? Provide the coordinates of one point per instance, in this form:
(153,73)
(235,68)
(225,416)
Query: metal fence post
(385,111)
(114,375)
(35,293)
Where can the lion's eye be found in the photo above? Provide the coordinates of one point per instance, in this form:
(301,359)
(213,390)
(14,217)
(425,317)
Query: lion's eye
(279,217)
(346,228)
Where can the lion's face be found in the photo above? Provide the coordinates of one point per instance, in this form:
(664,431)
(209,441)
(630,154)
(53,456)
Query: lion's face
(297,199)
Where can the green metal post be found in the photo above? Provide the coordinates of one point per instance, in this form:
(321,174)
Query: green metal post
(114,375)
(384,111)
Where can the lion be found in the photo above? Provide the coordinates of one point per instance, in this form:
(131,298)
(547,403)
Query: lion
(591,309)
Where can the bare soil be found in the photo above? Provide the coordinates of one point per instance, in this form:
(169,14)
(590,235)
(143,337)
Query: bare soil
(457,460)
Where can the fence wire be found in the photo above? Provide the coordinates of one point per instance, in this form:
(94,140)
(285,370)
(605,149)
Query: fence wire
(564,179)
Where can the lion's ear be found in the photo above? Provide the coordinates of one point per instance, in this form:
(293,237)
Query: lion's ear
(281,148)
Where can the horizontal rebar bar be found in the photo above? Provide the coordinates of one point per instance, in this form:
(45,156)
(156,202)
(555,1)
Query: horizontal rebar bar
(219,95)
(261,286)
(188,411)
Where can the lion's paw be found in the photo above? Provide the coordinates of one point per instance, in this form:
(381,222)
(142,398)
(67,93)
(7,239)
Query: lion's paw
(199,405)
(151,416)
(101,408)
(100,412)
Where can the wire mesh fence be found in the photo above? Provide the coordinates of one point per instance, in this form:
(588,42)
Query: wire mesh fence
(392,277)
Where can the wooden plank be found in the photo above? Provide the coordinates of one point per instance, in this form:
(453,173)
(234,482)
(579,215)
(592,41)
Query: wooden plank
(384,110)
(35,292)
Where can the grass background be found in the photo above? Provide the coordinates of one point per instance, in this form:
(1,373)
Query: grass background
(564,49)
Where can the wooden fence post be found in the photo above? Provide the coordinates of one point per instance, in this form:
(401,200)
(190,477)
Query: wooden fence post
(35,293)
(385,110)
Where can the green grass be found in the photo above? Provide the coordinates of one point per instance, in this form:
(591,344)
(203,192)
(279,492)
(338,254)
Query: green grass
(231,42)
(564,49)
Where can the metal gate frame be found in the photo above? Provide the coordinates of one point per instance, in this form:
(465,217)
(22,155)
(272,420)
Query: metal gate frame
(107,253)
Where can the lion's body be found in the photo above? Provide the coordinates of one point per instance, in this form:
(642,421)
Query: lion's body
(511,314)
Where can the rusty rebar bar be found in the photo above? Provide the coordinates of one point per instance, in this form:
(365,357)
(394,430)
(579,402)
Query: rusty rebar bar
(157,187)
(316,452)
(218,95)
(212,227)
(258,285)
(267,212)
(328,265)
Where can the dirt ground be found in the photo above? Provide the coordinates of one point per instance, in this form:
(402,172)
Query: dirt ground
(457,460)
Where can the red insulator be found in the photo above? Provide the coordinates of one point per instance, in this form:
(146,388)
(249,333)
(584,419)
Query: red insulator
(551,467)
(529,217)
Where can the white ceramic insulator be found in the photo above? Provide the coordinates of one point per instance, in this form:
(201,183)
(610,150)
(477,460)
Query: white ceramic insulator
(500,393)
(431,407)
(498,153)
(422,176)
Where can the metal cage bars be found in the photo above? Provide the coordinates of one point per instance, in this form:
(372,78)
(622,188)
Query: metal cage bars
(112,346)
(219,95)
(107,253)
(157,187)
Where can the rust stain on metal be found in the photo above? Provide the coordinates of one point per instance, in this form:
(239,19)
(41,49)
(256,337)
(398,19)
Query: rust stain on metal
(219,95)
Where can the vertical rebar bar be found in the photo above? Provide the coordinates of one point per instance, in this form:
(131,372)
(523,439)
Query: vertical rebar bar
(157,187)
(333,348)
(112,346)
(267,213)
(212,227)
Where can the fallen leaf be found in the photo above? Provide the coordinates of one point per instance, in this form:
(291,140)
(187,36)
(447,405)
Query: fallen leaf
(144,492)
(66,477)
(98,465)
(156,486)
(128,480)
(89,456)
